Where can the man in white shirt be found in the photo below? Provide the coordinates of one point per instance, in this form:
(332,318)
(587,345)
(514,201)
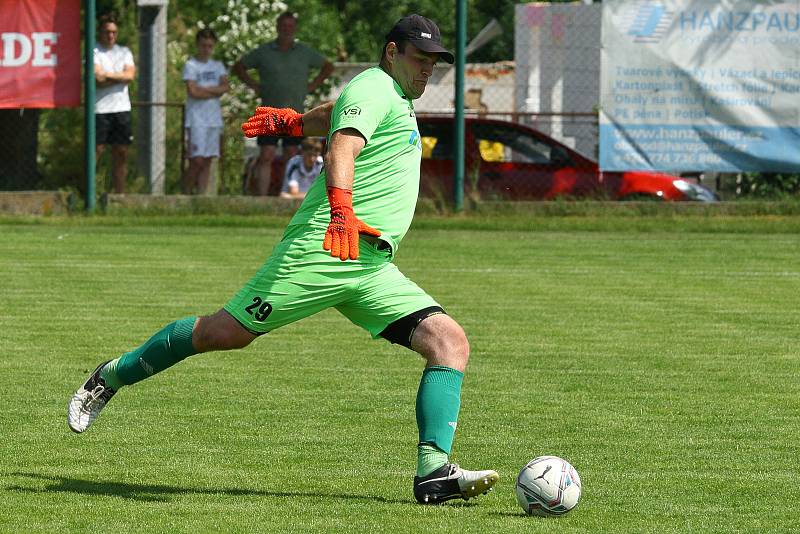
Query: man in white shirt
(113,71)
(206,80)
(302,169)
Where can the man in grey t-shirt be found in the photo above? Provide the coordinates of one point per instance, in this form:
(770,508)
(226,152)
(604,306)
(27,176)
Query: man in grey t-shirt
(284,68)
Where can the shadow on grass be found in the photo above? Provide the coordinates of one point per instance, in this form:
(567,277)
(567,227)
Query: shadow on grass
(162,493)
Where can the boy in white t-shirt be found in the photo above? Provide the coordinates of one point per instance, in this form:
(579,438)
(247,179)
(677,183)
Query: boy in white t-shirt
(302,169)
(206,80)
(113,71)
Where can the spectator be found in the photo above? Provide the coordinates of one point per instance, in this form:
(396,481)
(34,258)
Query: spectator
(302,169)
(206,80)
(113,71)
(284,67)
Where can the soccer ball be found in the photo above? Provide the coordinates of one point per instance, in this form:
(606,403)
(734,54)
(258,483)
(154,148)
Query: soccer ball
(548,486)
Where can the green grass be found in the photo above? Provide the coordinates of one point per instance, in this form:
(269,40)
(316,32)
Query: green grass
(660,356)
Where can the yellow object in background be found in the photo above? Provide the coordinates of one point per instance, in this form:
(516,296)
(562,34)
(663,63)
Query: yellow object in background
(427,146)
(491,150)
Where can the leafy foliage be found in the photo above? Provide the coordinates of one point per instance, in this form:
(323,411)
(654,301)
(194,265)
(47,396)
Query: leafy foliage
(242,25)
(340,29)
(766,185)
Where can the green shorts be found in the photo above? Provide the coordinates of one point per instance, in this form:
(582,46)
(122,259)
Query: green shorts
(300,279)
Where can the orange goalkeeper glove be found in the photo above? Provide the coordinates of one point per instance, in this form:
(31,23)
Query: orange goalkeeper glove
(341,238)
(285,122)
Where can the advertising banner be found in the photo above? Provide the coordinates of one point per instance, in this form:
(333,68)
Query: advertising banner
(40,63)
(700,85)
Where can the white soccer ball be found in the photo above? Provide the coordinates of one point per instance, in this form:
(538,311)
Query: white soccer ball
(548,486)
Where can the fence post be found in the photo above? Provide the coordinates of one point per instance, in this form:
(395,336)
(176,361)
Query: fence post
(89,134)
(183,144)
(458,131)
(150,131)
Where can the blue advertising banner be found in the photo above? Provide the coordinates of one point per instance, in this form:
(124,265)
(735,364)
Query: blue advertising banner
(700,85)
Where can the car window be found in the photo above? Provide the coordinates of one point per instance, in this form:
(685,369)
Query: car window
(437,140)
(501,143)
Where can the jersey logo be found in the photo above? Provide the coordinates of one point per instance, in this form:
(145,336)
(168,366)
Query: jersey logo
(146,366)
(415,140)
(355,110)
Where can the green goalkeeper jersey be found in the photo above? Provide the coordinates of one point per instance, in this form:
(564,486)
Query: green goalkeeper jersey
(386,181)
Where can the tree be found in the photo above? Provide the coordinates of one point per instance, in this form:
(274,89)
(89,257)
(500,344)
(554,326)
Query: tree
(362,35)
(341,30)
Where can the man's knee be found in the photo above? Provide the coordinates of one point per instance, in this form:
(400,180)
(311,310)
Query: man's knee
(220,331)
(442,341)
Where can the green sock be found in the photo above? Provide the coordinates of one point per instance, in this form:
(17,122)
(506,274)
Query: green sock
(109,375)
(429,459)
(438,403)
(167,347)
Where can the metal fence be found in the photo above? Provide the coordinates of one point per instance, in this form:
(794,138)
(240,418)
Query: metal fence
(55,159)
(532,127)
(53,156)
(518,128)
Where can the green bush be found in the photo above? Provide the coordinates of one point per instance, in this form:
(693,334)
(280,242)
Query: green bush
(767,185)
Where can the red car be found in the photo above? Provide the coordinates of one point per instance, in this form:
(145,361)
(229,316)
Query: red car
(505,160)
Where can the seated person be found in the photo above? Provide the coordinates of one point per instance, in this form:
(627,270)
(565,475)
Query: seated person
(302,169)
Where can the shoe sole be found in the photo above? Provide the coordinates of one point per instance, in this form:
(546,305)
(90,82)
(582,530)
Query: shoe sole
(481,486)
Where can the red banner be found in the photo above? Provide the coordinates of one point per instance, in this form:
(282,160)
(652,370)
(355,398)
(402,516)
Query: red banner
(40,53)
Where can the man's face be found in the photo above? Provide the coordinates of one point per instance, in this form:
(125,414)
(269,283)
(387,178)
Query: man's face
(310,156)
(412,68)
(205,48)
(108,34)
(287,27)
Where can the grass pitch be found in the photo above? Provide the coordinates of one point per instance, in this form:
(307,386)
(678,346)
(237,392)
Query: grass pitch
(663,364)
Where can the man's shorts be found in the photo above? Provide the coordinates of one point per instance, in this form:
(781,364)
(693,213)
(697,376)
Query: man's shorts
(113,128)
(203,141)
(300,279)
(272,140)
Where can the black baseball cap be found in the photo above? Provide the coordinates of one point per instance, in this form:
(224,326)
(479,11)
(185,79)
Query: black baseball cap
(422,33)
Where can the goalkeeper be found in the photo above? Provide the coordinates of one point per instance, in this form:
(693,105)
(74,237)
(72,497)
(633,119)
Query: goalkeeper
(337,252)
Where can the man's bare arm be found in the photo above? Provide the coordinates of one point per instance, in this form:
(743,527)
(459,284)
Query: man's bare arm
(105,79)
(215,91)
(340,161)
(317,121)
(324,72)
(286,122)
(341,237)
(241,72)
